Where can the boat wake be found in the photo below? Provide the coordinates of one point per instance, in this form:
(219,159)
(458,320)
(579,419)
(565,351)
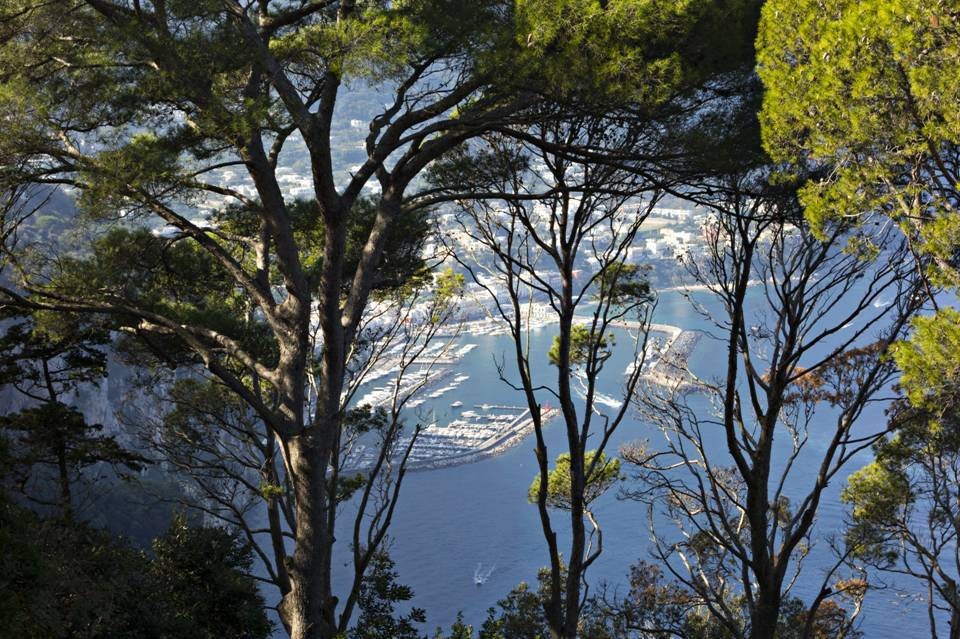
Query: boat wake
(480,575)
(601,399)
(606,400)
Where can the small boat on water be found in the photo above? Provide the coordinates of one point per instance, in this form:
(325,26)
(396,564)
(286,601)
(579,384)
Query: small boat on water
(480,575)
(456,404)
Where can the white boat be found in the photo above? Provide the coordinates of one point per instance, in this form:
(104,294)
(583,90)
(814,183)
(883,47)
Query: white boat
(480,575)
(456,404)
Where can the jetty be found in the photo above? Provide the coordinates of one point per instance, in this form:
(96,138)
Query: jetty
(668,366)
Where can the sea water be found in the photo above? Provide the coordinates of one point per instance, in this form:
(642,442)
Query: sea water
(450,521)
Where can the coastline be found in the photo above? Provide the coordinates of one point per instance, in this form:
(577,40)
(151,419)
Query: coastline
(473,437)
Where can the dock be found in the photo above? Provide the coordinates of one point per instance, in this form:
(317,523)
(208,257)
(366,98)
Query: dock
(462,442)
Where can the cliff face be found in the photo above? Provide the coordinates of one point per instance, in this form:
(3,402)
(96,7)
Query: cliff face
(117,402)
(50,227)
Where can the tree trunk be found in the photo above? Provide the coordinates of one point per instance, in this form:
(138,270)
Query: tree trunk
(577,545)
(954,613)
(66,498)
(766,613)
(308,609)
(570,611)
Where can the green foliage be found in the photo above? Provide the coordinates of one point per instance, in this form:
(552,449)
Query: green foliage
(865,91)
(929,359)
(853,75)
(379,595)
(913,479)
(624,284)
(400,267)
(47,435)
(64,580)
(605,474)
(864,88)
(204,573)
(364,419)
(609,51)
(655,606)
(448,290)
(148,164)
(583,343)
(118,79)
(601,45)
(377,41)
(653,601)
(449,285)
(155,93)
(831,620)
(270,491)
(348,485)
(878,493)
(202,410)
(459,630)
(472,167)
(46,354)
(519,615)
(177,279)
(140,267)
(723,140)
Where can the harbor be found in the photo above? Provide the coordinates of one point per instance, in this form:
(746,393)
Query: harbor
(419,384)
(465,436)
(478,434)
(454,432)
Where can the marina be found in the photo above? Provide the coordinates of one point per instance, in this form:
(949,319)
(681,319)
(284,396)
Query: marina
(475,436)
(418,384)
(457,433)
